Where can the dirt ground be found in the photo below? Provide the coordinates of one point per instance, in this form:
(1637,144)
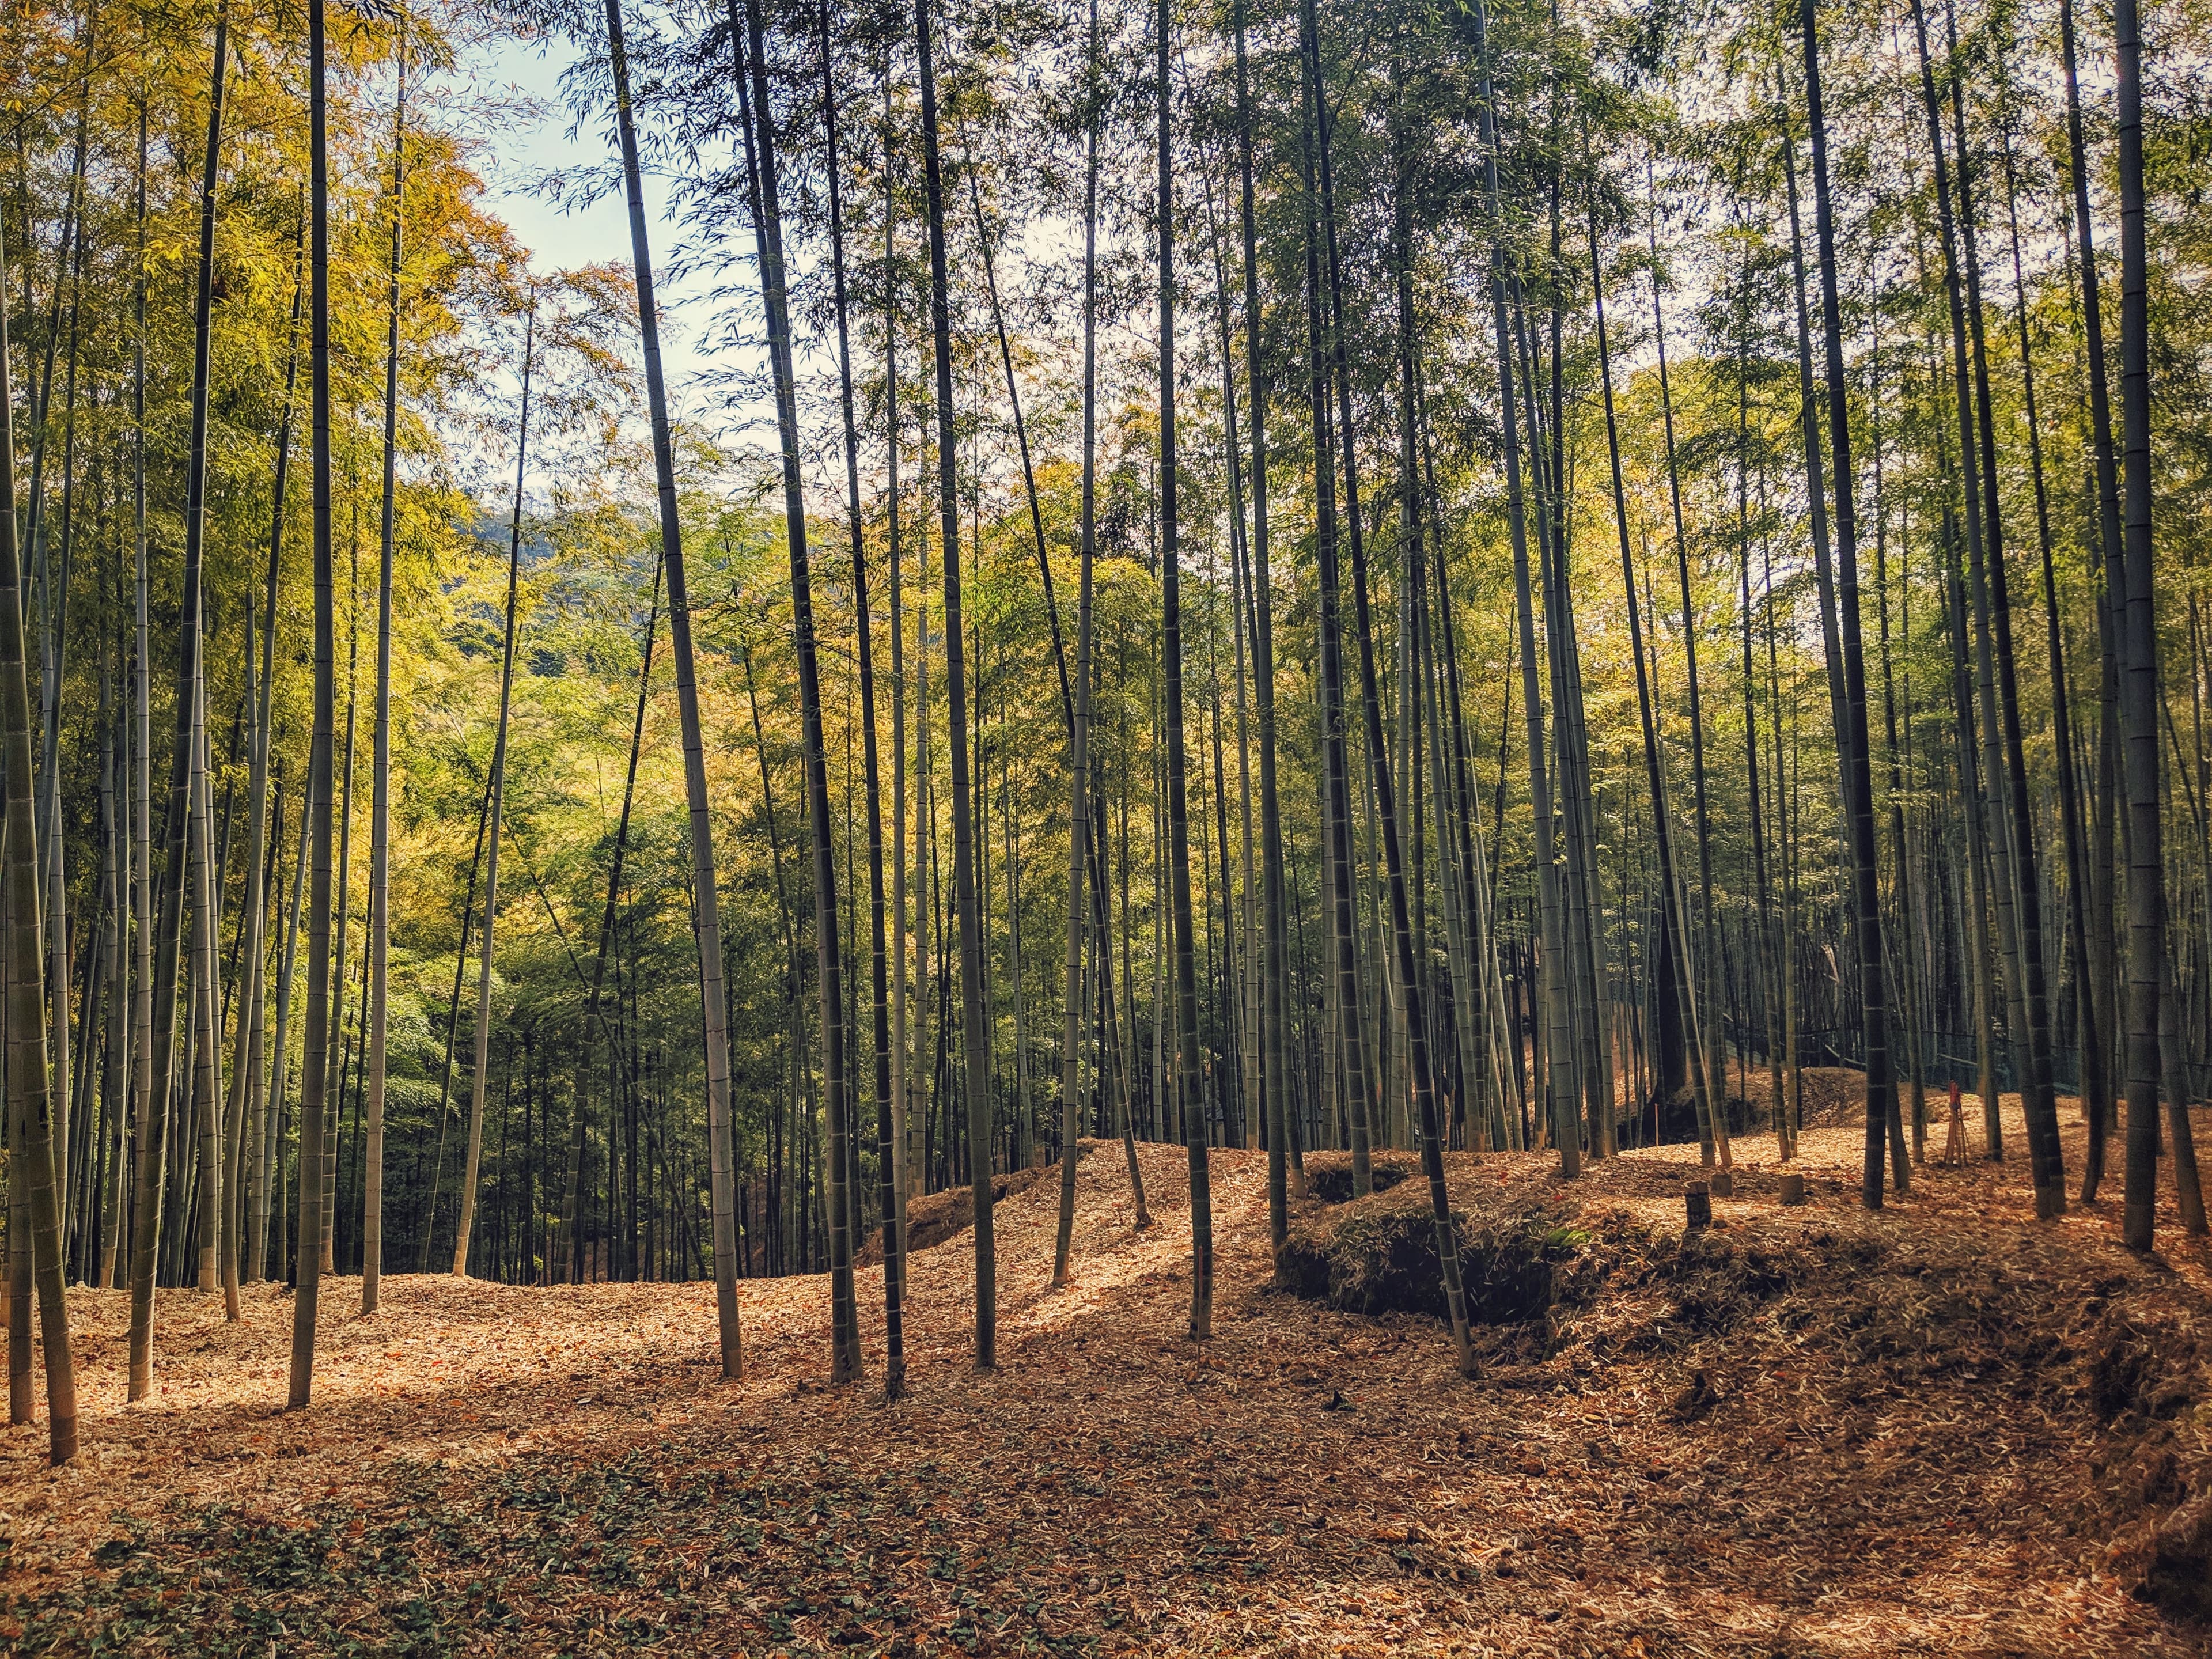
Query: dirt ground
(1942,1429)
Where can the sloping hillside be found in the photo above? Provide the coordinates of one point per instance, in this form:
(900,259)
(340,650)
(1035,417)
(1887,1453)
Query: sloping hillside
(1937,1431)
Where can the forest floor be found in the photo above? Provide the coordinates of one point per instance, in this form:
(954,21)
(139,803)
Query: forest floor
(1942,1429)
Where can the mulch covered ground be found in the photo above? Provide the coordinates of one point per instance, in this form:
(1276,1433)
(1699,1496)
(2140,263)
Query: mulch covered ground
(1941,1429)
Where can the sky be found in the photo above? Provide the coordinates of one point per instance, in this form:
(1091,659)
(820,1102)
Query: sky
(536,140)
(532,139)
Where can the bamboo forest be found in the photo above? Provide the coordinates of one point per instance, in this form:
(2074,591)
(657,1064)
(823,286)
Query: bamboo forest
(1084,827)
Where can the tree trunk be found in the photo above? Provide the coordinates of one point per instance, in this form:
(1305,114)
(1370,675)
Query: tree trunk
(1078,761)
(308,1257)
(145,1231)
(340,1058)
(1559,1110)
(1190,1081)
(1707,984)
(480,1071)
(1768,953)
(845,1331)
(1675,927)
(2104,973)
(974,1029)
(204,995)
(878,965)
(380,811)
(899,1170)
(567,1222)
(2095,1088)
(249,1065)
(116,1051)
(1977,859)
(924,827)
(1410,984)
(2000,837)
(452,1027)
(1856,780)
(54,609)
(30,1107)
(1273,1052)
(1571,756)
(1112,1025)
(1351,1037)
(707,894)
(2038,1101)
(2131,573)
(1908,954)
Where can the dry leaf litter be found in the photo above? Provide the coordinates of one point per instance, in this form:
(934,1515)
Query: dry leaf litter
(1942,1429)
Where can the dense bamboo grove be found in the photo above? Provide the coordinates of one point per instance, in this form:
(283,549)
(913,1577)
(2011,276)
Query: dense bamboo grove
(1665,552)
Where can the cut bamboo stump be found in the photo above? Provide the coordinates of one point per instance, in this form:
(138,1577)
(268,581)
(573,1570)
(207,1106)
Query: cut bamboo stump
(1793,1189)
(1699,1200)
(1722,1182)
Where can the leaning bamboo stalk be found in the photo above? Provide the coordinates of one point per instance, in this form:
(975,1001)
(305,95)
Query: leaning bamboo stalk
(714,1008)
(480,1072)
(1078,761)
(845,1337)
(567,1222)
(261,1116)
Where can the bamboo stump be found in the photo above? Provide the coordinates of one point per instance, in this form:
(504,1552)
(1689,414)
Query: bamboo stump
(1722,1182)
(1793,1189)
(1698,1198)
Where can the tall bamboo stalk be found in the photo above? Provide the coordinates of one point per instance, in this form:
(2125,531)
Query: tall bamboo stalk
(879,950)
(1857,779)
(1078,757)
(975,1026)
(480,1071)
(1192,1100)
(29,1103)
(2147,961)
(1709,983)
(1348,1036)
(2104,975)
(845,1334)
(2037,1097)
(380,811)
(1554,1025)
(899,1172)
(308,1260)
(1674,929)
(145,1229)
(707,895)
(204,995)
